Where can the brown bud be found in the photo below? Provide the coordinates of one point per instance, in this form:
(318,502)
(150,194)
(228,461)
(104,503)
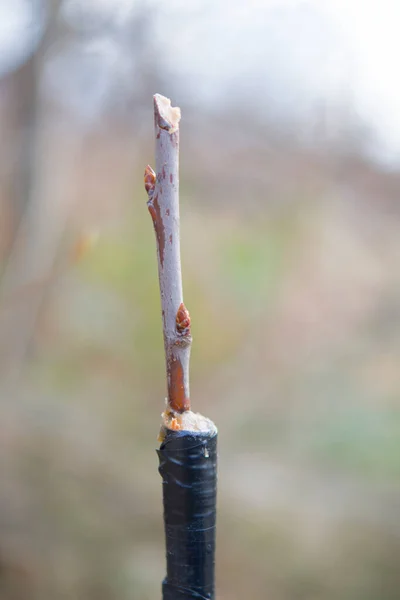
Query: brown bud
(149,180)
(183,320)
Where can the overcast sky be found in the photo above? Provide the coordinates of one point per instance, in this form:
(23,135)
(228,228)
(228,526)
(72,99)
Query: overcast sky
(293,52)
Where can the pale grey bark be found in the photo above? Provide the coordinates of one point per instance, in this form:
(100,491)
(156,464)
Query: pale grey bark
(163,206)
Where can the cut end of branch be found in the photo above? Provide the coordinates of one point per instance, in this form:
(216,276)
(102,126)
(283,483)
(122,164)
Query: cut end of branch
(166,116)
(187,421)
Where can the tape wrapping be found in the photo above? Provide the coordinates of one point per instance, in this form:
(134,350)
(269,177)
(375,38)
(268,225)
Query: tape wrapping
(188,467)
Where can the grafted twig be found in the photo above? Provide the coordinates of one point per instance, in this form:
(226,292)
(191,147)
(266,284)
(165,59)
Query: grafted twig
(188,451)
(162,188)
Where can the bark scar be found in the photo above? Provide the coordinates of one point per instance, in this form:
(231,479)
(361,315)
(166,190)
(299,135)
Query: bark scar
(177,400)
(154,210)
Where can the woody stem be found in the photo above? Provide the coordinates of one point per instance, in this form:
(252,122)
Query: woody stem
(162,187)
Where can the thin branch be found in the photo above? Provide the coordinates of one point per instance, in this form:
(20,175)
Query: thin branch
(163,203)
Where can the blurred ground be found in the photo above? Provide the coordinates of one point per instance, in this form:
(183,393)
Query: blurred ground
(290,263)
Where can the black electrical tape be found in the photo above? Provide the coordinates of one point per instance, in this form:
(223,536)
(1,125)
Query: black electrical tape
(188,467)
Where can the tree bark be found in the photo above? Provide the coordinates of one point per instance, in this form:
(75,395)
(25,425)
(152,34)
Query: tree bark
(162,188)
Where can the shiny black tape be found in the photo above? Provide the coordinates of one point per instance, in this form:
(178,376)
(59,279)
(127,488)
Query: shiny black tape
(188,467)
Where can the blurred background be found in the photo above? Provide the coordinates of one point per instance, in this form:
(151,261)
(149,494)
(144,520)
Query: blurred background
(290,181)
